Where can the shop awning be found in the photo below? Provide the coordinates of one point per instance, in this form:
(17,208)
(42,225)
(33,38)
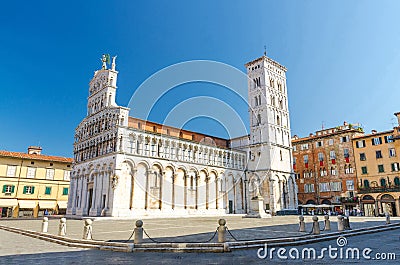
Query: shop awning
(25,204)
(8,202)
(62,204)
(47,204)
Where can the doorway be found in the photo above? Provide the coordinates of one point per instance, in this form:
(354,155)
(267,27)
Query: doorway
(230,206)
(90,200)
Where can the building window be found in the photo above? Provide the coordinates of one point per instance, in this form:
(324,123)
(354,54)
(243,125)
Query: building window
(330,142)
(305,157)
(67,175)
(323,187)
(376,141)
(65,191)
(348,169)
(308,188)
(366,183)
(383,182)
(50,173)
(31,172)
(362,157)
(333,171)
(336,186)
(378,154)
(294,148)
(47,191)
(29,190)
(304,147)
(346,153)
(11,171)
(8,189)
(350,185)
(344,139)
(320,157)
(332,155)
(388,139)
(364,170)
(380,169)
(396,181)
(319,144)
(360,144)
(395,166)
(392,152)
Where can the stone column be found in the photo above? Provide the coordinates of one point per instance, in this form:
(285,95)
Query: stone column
(271,195)
(93,209)
(166,193)
(281,191)
(84,197)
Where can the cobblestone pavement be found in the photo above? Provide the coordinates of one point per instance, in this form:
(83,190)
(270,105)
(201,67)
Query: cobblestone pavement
(18,249)
(41,252)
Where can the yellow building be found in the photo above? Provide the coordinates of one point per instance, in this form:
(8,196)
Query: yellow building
(377,167)
(33,184)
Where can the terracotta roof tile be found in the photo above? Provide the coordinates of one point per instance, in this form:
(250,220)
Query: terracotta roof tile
(35,157)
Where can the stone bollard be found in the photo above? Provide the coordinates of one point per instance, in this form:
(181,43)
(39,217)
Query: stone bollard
(327,223)
(302,224)
(138,232)
(387,215)
(62,228)
(221,231)
(340,223)
(316,230)
(88,229)
(45,225)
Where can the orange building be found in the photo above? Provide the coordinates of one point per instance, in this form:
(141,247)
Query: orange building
(324,167)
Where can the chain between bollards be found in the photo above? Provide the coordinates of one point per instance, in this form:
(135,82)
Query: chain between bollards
(234,238)
(154,241)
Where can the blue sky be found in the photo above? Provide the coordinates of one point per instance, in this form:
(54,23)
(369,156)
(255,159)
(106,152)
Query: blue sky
(342,59)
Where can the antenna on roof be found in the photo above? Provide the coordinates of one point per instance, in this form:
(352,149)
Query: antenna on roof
(265,50)
(322,125)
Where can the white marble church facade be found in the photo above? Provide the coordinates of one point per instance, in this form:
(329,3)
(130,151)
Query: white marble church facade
(127,167)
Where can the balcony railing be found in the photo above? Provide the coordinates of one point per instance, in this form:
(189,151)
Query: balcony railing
(379,189)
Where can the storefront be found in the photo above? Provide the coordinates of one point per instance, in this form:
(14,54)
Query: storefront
(62,207)
(47,208)
(27,208)
(368,205)
(387,205)
(7,207)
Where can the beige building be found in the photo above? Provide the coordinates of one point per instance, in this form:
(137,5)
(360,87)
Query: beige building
(377,167)
(33,184)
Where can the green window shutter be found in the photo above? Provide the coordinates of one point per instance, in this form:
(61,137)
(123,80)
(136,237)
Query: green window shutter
(12,188)
(48,191)
(33,189)
(4,188)
(25,188)
(65,191)
(392,165)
